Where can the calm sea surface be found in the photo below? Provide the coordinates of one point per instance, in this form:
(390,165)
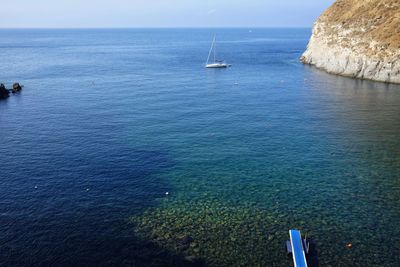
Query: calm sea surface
(111,120)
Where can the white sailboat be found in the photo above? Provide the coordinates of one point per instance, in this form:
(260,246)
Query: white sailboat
(216,63)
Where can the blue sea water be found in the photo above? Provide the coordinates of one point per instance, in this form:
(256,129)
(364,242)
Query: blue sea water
(110,120)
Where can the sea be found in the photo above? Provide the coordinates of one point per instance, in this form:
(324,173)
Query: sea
(123,150)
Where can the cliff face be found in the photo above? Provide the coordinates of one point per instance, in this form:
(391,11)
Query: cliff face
(358,38)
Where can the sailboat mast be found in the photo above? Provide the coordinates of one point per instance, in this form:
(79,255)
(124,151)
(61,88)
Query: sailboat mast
(215,47)
(211,50)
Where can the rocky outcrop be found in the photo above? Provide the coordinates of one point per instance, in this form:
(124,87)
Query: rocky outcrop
(16,88)
(4,93)
(358,38)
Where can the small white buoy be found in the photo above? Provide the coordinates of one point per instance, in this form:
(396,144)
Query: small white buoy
(166,193)
(87,189)
(35,186)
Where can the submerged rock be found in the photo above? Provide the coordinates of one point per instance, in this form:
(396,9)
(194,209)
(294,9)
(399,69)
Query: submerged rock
(358,38)
(184,240)
(191,258)
(4,93)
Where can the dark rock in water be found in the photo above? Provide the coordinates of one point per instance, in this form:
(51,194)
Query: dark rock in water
(184,240)
(4,93)
(16,87)
(194,261)
(192,258)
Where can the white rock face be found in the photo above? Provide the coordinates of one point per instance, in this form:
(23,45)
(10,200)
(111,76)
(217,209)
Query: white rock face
(340,51)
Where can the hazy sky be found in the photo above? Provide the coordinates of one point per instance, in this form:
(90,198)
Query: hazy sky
(160,13)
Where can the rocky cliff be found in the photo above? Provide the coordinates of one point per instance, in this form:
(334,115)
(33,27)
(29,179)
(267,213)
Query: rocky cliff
(358,38)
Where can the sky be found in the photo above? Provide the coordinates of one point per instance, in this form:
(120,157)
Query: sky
(159,13)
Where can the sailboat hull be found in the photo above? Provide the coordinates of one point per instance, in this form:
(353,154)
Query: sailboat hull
(217,66)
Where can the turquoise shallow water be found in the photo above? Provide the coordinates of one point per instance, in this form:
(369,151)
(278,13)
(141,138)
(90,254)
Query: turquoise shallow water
(110,120)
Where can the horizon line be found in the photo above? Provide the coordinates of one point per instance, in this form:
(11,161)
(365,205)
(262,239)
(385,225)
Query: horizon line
(156,27)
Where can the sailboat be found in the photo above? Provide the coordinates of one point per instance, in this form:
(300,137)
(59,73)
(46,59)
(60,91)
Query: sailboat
(216,63)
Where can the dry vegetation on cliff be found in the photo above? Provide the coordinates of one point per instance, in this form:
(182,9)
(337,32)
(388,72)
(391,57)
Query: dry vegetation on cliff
(367,20)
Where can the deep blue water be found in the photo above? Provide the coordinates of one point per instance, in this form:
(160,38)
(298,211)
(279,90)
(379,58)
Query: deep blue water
(110,120)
